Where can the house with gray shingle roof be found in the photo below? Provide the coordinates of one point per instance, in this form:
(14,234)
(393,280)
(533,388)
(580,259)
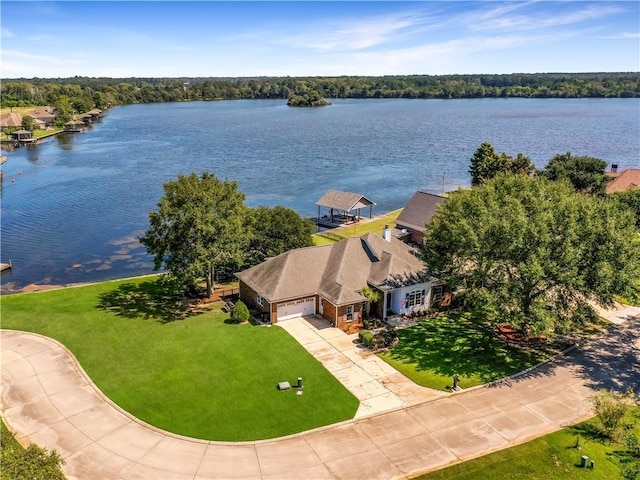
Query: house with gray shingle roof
(328,280)
(416,215)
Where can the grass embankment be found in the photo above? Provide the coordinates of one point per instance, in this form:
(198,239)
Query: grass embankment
(553,457)
(184,371)
(374,225)
(432,352)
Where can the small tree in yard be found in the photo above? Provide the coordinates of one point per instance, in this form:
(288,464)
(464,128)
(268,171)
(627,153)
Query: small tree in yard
(239,312)
(372,295)
(610,407)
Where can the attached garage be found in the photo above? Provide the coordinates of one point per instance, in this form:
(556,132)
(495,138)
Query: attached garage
(296,308)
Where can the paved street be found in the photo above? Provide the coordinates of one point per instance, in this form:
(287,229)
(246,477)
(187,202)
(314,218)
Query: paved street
(47,399)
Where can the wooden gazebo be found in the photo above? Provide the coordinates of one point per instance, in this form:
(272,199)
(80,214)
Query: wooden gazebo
(343,208)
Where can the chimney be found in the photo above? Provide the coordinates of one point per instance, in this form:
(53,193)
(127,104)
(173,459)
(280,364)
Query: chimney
(614,168)
(386,233)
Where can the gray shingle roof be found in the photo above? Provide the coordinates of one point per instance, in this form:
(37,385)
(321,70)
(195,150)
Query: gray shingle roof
(344,200)
(419,211)
(337,272)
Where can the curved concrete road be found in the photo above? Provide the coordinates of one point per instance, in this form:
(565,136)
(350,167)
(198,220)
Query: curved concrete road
(48,399)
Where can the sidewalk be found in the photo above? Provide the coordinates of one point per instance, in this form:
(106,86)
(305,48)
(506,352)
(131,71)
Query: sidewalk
(46,398)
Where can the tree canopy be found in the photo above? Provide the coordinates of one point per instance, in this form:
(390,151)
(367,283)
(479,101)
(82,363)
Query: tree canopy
(198,225)
(276,230)
(486,163)
(85,93)
(586,174)
(533,253)
(630,200)
(202,225)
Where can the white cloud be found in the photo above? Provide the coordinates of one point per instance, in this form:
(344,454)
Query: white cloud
(622,36)
(33,57)
(6,33)
(501,19)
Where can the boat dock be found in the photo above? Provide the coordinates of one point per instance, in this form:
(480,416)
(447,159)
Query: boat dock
(6,267)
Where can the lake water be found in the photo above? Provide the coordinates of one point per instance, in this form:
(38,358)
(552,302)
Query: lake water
(73,206)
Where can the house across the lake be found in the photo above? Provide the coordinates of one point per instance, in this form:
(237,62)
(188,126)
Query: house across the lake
(416,215)
(328,281)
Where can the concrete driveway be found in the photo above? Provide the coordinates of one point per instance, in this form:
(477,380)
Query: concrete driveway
(46,398)
(377,385)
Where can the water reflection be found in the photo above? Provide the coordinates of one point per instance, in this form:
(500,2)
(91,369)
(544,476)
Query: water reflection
(32,153)
(65,141)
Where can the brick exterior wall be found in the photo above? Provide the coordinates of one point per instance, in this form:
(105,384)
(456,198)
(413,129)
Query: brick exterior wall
(249,296)
(342,322)
(329,311)
(336,315)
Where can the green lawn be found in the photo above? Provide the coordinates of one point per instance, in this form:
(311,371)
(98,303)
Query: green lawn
(432,352)
(187,372)
(552,457)
(374,225)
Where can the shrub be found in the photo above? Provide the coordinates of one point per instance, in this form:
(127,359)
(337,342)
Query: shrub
(239,312)
(30,463)
(366,338)
(630,462)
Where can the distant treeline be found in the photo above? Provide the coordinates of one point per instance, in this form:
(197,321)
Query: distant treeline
(85,93)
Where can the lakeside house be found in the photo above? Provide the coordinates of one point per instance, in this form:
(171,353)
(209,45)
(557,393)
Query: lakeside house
(416,215)
(10,120)
(328,280)
(45,115)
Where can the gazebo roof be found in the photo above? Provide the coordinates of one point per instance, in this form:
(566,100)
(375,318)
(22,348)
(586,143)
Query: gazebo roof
(21,132)
(344,200)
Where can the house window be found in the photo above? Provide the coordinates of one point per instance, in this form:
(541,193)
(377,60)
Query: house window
(260,301)
(348,313)
(436,294)
(415,298)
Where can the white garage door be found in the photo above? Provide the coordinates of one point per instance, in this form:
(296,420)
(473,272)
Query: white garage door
(298,308)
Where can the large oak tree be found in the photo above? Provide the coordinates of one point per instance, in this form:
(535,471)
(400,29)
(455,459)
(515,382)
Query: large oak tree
(533,253)
(199,225)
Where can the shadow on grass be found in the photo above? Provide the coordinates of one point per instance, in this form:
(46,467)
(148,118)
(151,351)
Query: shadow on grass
(155,300)
(454,344)
(591,432)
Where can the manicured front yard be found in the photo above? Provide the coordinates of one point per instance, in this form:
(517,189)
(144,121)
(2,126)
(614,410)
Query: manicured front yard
(196,376)
(552,457)
(432,352)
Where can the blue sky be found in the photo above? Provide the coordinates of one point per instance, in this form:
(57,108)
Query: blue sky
(210,38)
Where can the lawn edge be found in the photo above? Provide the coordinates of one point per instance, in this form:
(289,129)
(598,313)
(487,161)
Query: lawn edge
(144,424)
